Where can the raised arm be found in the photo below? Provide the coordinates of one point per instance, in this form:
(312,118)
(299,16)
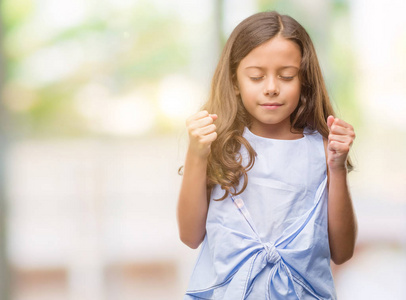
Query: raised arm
(192,203)
(342,223)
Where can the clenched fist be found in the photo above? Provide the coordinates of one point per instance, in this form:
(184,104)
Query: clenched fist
(340,139)
(202,132)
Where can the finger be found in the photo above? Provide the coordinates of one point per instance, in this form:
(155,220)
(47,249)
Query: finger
(200,123)
(340,138)
(340,130)
(201,114)
(342,123)
(197,116)
(214,117)
(209,138)
(330,121)
(338,147)
(207,129)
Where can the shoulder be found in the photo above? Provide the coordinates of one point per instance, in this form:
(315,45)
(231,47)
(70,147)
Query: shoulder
(319,142)
(316,139)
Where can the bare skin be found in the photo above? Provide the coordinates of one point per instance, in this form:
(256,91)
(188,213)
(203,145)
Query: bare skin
(269,87)
(192,204)
(342,224)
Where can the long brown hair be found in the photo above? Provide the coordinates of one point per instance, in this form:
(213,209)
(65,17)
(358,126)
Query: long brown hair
(225,162)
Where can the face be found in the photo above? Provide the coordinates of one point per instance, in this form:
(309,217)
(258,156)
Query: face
(269,86)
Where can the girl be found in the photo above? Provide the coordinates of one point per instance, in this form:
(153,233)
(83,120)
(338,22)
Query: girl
(264,156)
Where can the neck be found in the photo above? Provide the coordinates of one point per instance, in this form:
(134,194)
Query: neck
(276,132)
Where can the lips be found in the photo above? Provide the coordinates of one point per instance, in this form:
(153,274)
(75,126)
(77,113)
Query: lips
(272,105)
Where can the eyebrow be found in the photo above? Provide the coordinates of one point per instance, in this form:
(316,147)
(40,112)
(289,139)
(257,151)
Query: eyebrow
(261,68)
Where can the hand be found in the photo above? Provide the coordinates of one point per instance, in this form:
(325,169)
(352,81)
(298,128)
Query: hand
(202,132)
(340,139)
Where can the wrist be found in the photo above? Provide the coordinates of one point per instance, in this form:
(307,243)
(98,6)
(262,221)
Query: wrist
(338,170)
(196,157)
(337,166)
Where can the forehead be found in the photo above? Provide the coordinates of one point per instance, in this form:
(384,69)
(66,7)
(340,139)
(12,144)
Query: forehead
(276,53)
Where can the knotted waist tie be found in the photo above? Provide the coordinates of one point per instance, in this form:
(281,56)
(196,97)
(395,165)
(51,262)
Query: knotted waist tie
(272,255)
(266,255)
(262,269)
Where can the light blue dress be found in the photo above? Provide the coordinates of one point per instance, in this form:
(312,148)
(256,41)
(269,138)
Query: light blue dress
(270,242)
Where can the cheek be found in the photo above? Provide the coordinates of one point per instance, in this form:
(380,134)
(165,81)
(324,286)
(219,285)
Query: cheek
(294,92)
(247,102)
(251,90)
(245,93)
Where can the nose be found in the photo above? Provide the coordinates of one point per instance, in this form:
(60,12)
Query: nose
(271,87)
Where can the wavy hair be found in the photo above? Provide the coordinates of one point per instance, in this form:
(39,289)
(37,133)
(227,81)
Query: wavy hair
(225,165)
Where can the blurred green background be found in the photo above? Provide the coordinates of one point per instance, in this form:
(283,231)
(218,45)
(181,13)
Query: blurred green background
(94,98)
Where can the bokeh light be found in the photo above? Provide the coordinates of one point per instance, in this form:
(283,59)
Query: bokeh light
(95,95)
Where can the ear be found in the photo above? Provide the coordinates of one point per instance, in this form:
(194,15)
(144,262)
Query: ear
(236,90)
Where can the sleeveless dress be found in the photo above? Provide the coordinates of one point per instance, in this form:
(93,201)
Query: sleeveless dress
(271,241)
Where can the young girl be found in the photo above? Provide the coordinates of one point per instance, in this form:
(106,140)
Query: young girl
(265,155)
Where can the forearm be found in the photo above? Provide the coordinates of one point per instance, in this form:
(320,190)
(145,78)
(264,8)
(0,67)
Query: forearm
(342,224)
(192,204)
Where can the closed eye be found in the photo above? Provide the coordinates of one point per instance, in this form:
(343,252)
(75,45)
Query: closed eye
(256,78)
(287,78)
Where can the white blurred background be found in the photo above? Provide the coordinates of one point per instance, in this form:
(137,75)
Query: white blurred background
(94,98)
